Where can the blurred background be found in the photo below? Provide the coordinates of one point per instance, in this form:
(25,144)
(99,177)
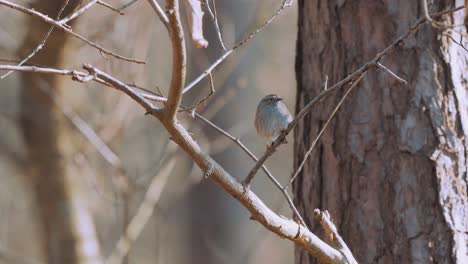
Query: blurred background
(194,221)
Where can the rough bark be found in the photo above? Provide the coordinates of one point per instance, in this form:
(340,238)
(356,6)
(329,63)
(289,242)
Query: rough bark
(68,230)
(392,166)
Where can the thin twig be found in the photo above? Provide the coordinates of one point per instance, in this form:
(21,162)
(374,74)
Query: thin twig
(104,4)
(77,12)
(309,151)
(214,16)
(285,5)
(204,100)
(459,43)
(351,77)
(41,44)
(66,29)
(127,5)
(158,10)
(394,75)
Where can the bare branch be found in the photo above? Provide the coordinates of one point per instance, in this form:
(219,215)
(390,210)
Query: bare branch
(104,4)
(205,99)
(353,76)
(77,12)
(332,233)
(66,29)
(458,42)
(178,60)
(214,16)
(159,11)
(127,5)
(394,75)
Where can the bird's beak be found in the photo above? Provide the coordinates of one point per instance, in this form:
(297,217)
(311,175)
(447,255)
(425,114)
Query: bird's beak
(279,99)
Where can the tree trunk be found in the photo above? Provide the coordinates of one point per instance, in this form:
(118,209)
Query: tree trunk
(392,166)
(68,229)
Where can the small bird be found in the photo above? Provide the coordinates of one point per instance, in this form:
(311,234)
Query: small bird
(272,118)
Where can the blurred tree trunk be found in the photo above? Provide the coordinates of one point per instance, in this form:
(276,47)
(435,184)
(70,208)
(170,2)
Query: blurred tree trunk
(392,167)
(68,230)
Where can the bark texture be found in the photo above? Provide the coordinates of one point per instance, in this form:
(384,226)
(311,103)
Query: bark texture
(68,230)
(392,167)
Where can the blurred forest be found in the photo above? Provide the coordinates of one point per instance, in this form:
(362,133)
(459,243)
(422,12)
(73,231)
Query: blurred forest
(46,140)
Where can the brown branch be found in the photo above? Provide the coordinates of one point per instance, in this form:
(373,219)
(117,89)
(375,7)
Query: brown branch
(370,64)
(176,34)
(67,29)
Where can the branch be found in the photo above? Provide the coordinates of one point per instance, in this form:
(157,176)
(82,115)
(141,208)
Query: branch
(353,76)
(176,34)
(67,29)
(214,16)
(77,12)
(160,12)
(332,233)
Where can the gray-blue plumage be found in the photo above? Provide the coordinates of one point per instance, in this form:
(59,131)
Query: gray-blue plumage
(272,117)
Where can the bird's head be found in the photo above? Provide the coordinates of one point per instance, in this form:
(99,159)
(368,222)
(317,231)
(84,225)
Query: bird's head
(270,99)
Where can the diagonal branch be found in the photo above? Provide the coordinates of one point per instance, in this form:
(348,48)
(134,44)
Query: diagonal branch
(160,12)
(78,12)
(176,34)
(332,233)
(353,76)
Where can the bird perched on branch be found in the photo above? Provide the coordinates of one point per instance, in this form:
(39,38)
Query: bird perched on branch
(272,118)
